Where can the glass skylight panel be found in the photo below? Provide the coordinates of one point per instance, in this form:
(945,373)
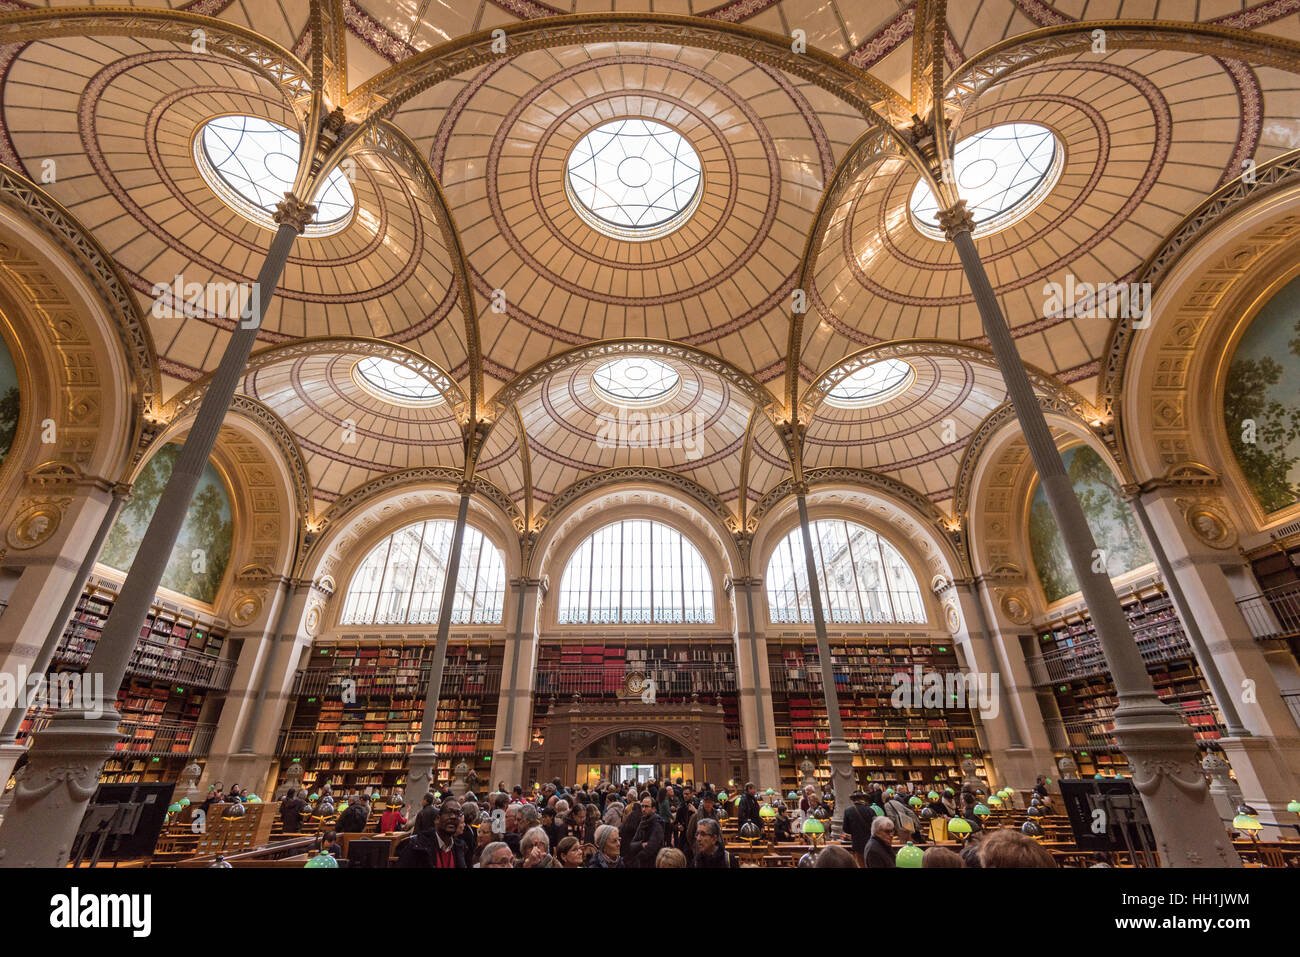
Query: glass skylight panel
(634,179)
(873,384)
(394,382)
(1002,172)
(251,163)
(636,380)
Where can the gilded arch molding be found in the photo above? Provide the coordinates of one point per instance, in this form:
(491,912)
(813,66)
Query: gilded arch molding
(1235,196)
(994,65)
(246,47)
(384,94)
(701,496)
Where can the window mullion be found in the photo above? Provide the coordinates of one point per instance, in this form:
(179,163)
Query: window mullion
(415,573)
(383,576)
(884,574)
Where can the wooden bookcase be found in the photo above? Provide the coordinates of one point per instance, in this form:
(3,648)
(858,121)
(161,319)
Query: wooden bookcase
(918,745)
(1076,674)
(359,705)
(175,670)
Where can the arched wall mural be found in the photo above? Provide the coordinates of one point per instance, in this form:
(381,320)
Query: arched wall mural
(8,401)
(202,551)
(1261,401)
(1113,525)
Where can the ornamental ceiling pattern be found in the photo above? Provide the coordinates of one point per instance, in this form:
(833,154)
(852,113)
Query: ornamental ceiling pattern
(1148,134)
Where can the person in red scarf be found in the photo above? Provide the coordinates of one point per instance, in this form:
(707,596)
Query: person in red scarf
(437,846)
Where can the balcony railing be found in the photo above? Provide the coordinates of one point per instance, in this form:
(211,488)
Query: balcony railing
(1273,613)
(158,661)
(1096,732)
(150,738)
(1084,659)
(414,683)
(675,679)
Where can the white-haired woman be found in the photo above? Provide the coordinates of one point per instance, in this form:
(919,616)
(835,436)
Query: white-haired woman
(608,848)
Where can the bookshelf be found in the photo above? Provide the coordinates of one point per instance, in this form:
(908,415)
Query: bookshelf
(597,669)
(1074,670)
(359,707)
(173,683)
(919,745)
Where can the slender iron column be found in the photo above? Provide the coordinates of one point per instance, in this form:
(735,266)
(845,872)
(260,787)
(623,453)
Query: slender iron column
(65,759)
(420,766)
(508,743)
(51,644)
(1161,750)
(837,751)
(752,635)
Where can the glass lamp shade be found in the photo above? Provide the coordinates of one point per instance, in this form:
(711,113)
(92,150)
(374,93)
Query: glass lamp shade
(813,826)
(1035,812)
(767,812)
(880,811)
(915,801)
(932,796)
(908,856)
(769,792)
(749,831)
(792,796)
(1099,777)
(890,793)
(174,809)
(995,801)
(927,813)
(982,811)
(253,799)
(184,802)
(949,791)
(322,860)
(1032,828)
(1293,807)
(1245,822)
(315,797)
(959,825)
(819,813)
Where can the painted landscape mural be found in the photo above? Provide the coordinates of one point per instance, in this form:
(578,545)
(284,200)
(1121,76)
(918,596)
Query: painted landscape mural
(1261,401)
(202,551)
(8,401)
(1113,525)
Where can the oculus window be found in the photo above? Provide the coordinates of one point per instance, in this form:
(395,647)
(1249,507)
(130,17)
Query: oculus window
(250,163)
(401,580)
(394,382)
(1002,172)
(873,384)
(637,381)
(636,572)
(634,179)
(864,579)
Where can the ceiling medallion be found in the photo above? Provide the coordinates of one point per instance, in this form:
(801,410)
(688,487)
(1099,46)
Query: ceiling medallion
(634,179)
(1003,172)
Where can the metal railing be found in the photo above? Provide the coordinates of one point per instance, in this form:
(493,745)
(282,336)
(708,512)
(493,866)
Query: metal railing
(156,660)
(672,679)
(1085,659)
(1274,612)
(1097,731)
(149,738)
(456,680)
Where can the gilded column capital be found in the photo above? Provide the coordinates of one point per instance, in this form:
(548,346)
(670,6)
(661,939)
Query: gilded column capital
(956,219)
(294,212)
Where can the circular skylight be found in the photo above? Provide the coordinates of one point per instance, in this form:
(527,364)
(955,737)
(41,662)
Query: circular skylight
(1002,172)
(634,179)
(636,380)
(251,163)
(872,384)
(393,382)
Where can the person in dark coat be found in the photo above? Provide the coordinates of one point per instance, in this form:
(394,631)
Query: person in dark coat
(608,846)
(354,817)
(857,825)
(682,821)
(748,808)
(291,809)
(631,821)
(709,850)
(648,838)
(782,826)
(879,851)
(708,802)
(438,846)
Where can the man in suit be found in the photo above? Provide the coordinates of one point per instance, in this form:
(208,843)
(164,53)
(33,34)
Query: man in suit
(879,851)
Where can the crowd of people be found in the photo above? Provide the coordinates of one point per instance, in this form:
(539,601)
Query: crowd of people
(663,824)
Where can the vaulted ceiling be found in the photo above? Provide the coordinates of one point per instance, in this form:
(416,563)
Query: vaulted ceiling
(468,173)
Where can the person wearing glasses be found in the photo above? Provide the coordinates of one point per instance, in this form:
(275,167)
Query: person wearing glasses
(648,837)
(437,846)
(497,854)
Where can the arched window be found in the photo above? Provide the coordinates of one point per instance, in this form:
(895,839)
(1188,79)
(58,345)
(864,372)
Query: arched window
(400,582)
(863,577)
(636,572)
